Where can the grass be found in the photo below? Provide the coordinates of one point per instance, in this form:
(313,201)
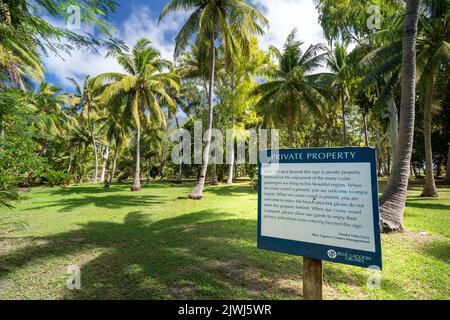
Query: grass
(154,245)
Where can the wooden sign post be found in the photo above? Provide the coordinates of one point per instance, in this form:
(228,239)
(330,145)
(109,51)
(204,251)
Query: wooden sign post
(322,204)
(312,279)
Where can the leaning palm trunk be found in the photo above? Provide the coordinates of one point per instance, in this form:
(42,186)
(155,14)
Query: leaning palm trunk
(197,192)
(429,189)
(392,202)
(137,173)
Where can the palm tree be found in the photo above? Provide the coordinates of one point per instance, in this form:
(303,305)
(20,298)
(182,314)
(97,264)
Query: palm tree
(17,64)
(143,88)
(236,81)
(392,202)
(292,88)
(433,52)
(212,21)
(18,55)
(433,47)
(48,102)
(117,129)
(85,101)
(340,80)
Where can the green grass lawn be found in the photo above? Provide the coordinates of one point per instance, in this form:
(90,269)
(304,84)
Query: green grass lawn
(155,245)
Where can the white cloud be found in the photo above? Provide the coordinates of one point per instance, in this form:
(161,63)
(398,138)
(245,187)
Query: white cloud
(140,24)
(285,15)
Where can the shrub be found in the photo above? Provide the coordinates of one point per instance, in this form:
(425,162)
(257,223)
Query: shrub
(57,178)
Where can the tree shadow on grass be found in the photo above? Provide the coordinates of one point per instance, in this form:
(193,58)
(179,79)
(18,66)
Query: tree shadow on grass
(115,187)
(429,206)
(439,249)
(112,201)
(187,256)
(230,190)
(205,254)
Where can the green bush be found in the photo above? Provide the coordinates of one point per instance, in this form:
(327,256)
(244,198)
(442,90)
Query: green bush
(57,178)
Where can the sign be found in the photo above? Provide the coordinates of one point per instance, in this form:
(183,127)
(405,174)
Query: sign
(320,203)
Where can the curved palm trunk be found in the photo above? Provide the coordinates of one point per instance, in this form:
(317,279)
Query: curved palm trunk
(231,158)
(429,189)
(392,202)
(137,173)
(197,192)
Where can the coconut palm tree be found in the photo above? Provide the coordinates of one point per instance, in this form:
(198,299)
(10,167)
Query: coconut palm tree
(86,102)
(392,202)
(338,61)
(292,89)
(226,22)
(117,128)
(143,88)
(433,47)
(48,102)
(433,53)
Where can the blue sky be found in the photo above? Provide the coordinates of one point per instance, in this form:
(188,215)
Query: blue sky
(139,18)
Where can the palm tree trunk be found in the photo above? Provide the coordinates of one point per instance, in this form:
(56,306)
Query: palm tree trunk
(137,173)
(290,125)
(180,166)
(393,123)
(366,137)
(392,202)
(380,154)
(231,158)
(447,168)
(70,161)
(2,129)
(197,192)
(291,135)
(94,144)
(429,190)
(105,161)
(113,171)
(343,119)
